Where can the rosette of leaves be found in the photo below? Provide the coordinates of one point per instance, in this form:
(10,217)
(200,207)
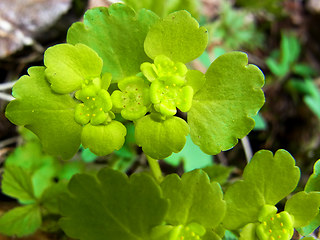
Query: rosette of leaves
(60,120)
(68,103)
(267,179)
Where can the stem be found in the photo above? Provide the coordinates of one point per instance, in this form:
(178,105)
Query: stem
(7,85)
(247,148)
(155,169)
(6,97)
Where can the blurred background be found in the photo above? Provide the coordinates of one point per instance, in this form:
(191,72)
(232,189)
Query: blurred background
(281,37)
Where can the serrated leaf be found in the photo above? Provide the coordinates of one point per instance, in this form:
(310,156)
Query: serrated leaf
(193,199)
(21,221)
(159,138)
(304,207)
(49,115)
(17,183)
(42,168)
(177,36)
(275,176)
(191,156)
(112,206)
(313,183)
(117,34)
(69,66)
(221,112)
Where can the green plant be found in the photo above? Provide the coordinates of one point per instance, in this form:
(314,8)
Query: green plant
(285,66)
(123,66)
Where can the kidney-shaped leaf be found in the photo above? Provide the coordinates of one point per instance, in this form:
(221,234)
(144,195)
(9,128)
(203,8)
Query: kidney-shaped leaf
(193,199)
(112,206)
(177,36)
(275,176)
(69,66)
(159,138)
(117,34)
(304,207)
(221,111)
(49,115)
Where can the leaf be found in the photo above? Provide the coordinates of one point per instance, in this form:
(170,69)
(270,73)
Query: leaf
(260,122)
(313,225)
(244,202)
(275,176)
(221,112)
(313,183)
(177,36)
(191,156)
(249,232)
(304,207)
(103,139)
(49,115)
(21,221)
(49,199)
(69,66)
(117,34)
(159,138)
(112,206)
(193,199)
(17,183)
(218,173)
(42,168)
(164,7)
(267,180)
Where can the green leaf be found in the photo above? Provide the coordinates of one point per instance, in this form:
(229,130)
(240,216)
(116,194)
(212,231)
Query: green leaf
(244,202)
(164,7)
(103,139)
(313,225)
(49,199)
(191,156)
(195,79)
(267,180)
(117,34)
(193,199)
(49,115)
(260,122)
(218,173)
(159,138)
(313,183)
(275,176)
(88,156)
(69,66)
(249,232)
(221,112)
(177,36)
(42,168)
(112,206)
(17,183)
(304,207)
(21,221)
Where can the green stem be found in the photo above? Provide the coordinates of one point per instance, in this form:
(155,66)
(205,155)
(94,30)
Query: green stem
(155,169)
